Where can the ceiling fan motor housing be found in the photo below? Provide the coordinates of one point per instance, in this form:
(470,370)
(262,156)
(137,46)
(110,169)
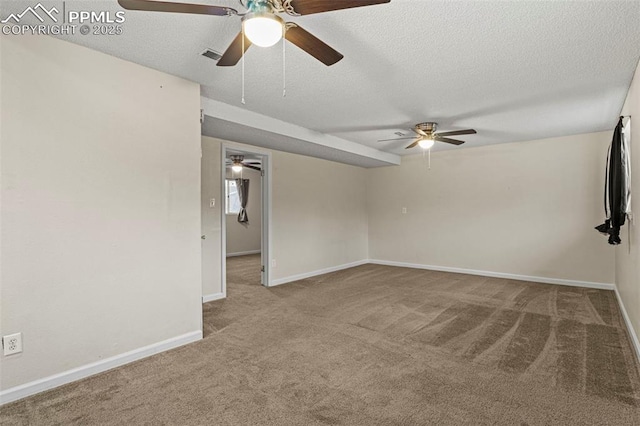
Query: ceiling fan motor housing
(427,127)
(237,159)
(258,6)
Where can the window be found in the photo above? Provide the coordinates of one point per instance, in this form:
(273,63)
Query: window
(232,205)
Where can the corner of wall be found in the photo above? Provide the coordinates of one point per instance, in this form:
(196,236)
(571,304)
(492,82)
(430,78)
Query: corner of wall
(627,254)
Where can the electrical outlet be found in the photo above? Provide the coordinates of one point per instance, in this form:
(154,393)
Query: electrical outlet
(212,202)
(12,344)
(273,263)
(404,210)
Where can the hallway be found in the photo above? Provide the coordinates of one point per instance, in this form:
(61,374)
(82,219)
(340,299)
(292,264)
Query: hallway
(243,276)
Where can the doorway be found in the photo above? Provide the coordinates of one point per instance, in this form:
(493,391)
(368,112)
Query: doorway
(245,217)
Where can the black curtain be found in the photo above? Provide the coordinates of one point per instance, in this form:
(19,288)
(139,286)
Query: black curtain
(243,193)
(615,188)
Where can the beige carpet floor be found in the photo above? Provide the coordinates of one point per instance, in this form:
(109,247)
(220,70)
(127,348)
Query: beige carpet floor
(374,345)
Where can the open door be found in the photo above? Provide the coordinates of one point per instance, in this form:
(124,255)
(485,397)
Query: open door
(245,171)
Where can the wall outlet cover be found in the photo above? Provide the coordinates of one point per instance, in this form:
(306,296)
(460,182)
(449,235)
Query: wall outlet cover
(12,344)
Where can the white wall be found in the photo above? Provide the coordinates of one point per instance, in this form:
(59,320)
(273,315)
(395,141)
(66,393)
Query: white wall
(100,220)
(524,208)
(211,226)
(319,216)
(243,238)
(628,253)
(100,226)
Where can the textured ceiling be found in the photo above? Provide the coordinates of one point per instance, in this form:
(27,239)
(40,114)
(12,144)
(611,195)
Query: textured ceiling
(513,70)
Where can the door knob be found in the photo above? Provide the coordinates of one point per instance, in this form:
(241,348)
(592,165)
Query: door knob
(203,237)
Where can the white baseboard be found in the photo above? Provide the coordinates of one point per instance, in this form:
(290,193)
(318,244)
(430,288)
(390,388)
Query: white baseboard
(243,253)
(627,321)
(545,280)
(292,278)
(212,297)
(41,385)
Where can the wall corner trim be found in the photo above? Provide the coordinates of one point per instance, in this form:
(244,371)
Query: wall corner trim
(212,297)
(302,276)
(47,383)
(543,280)
(635,342)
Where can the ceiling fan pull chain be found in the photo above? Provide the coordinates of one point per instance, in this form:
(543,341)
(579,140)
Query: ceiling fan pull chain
(243,65)
(284,63)
(429,159)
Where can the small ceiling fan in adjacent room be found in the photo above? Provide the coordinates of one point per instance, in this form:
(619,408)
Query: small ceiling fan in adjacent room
(237,163)
(261,25)
(426,136)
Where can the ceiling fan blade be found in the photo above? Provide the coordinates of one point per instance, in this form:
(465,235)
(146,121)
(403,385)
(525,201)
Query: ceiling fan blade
(164,6)
(396,139)
(249,166)
(447,140)
(419,132)
(312,45)
(307,7)
(458,132)
(234,52)
(414,143)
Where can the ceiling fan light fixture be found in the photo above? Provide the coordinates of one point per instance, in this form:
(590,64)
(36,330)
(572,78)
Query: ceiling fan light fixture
(262,29)
(426,142)
(237,168)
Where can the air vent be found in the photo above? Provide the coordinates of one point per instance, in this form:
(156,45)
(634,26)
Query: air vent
(212,54)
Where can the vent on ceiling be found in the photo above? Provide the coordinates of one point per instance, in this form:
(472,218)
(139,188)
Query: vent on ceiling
(212,54)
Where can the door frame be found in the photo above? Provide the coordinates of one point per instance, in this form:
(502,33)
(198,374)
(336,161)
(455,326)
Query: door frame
(266,246)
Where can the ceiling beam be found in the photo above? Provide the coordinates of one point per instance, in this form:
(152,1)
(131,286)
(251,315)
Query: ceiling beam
(254,120)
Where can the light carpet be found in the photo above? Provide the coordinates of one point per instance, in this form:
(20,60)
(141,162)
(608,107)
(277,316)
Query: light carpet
(373,345)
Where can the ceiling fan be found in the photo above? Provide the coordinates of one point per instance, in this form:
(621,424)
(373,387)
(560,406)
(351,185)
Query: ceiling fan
(236,162)
(427,136)
(261,25)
